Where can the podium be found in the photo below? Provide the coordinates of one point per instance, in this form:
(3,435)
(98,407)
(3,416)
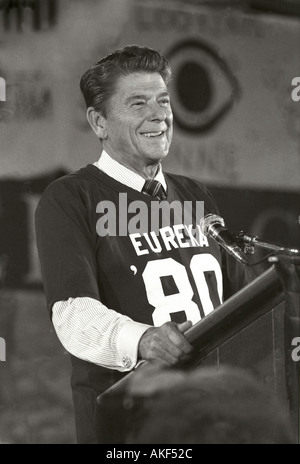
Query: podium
(256,329)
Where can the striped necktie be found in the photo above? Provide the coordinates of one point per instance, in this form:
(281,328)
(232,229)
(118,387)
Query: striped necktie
(154,189)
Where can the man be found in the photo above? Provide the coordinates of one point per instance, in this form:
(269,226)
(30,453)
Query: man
(117,298)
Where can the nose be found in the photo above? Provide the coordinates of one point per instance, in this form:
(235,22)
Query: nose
(156,112)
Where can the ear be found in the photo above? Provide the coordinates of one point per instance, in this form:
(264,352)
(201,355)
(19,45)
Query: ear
(97,122)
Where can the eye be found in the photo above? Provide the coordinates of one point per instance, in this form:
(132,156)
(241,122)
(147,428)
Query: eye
(203,87)
(138,103)
(164,102)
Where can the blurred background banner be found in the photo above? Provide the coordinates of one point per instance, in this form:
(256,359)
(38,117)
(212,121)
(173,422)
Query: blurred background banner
(237,128)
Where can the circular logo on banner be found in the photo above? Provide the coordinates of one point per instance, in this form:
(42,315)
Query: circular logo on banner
(203,88)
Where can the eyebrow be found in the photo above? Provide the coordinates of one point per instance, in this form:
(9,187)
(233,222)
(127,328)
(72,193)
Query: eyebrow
(144,97)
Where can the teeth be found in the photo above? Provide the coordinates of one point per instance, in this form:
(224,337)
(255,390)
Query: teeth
(152,134)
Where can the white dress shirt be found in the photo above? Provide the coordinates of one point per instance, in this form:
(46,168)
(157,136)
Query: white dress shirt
(86,327)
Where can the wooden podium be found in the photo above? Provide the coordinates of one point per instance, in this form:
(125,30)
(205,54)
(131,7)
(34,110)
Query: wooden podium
(254,329)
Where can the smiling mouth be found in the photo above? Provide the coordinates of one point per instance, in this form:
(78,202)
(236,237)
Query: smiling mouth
(153,134)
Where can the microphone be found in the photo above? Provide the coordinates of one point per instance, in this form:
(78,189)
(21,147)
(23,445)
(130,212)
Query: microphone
(214,226)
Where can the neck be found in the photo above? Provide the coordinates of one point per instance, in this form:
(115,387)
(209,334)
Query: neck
(147,171)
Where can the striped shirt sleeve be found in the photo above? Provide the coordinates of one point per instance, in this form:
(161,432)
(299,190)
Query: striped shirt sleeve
(90,331)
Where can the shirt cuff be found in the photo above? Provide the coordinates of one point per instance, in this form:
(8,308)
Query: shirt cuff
(127,343)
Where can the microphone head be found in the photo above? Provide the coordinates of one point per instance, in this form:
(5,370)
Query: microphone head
(208,220)
(214,226)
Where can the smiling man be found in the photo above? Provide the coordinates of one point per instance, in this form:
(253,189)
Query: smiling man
(117,300)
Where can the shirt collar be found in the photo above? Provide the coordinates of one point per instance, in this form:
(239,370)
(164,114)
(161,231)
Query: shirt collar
(124,175)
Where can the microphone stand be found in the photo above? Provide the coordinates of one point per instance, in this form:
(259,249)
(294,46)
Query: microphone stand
(249,242)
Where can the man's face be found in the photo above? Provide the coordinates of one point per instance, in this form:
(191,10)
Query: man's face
(139,121)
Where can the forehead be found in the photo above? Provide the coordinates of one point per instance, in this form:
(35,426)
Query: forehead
(140,83)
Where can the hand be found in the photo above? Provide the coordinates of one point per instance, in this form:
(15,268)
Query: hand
(166,344)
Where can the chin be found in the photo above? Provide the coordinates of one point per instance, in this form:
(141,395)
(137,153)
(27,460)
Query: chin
(157,157)
(164,154)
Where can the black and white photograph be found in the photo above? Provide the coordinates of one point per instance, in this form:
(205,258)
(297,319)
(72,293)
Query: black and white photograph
(149,224)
